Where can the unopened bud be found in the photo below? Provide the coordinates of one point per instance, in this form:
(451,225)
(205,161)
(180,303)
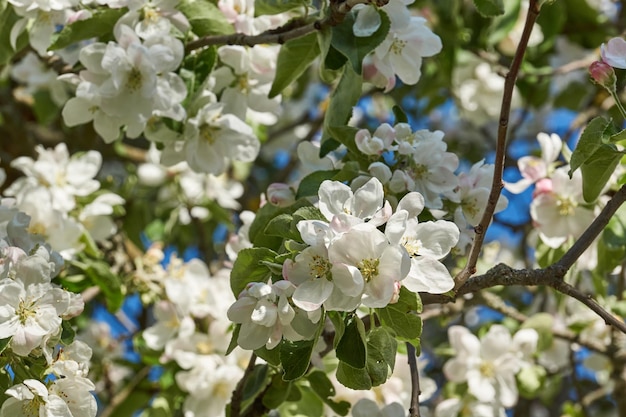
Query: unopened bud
(603,74)
(281,195)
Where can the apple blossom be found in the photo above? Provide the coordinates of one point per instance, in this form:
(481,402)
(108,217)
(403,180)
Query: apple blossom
(402,51)
(265,315)
(488,365)
(614,52)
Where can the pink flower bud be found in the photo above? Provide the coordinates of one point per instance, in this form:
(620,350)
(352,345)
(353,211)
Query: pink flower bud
(281,195)
(603,74)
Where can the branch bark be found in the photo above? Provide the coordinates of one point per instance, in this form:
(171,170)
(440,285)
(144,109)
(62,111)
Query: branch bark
(496,185)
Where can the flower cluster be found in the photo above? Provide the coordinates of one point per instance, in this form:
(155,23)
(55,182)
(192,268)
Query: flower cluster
(190,323)
(49,194)
(348,262)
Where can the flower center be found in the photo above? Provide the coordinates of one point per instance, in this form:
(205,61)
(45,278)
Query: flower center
(487,369)
(208,133)
(25,310)
(31,408)
(134,80)
(566,206)
(319,266)
(369,268)
(397,46)
(419,171)
(411,246)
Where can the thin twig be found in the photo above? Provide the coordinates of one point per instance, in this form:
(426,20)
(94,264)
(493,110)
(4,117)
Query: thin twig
(593,230)
(125,392)
(414,409)
(237,396)
(505,110)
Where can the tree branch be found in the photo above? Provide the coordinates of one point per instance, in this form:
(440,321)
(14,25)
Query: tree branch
(496,185)
(338,10)
(414,408)
(594,229)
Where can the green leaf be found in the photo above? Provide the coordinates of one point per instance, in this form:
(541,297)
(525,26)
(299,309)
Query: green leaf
(503,24)
(381,357)
(277,393)
(281,226)
(68,333)
(4,343)
(339,324)
(199,65)
(310,185)
(590,140)
(205,18)
(618,137)
(256,381)
(342,100)
(597,170)
(324,388)
(248,268)
(308,213)
(46,110)
(109,283)
(100,23)
(263,217)
(356,48)
(264,7)
(308,405)
(294,58)
(489,8)
(399,114)
(351,348)
(8,17)
(296,358)
(402,317)
(270,356)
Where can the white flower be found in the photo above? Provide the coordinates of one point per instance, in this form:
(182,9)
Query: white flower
(365,204)
(614,52)
(210,385)
(32,398)
(533,168)
(378,143)
(557,211)
(368,408)
(402,50)
(126,83)
(489,366)
(430,168)
(30,313)
(64,177)
(246,80)
(213,139)
(426,243)
(265,315)
(473,192)
(371,262)
(456,407)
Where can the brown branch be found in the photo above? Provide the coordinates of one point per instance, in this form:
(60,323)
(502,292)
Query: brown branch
(505,110)
(593,230)
(414,408)
(338,11)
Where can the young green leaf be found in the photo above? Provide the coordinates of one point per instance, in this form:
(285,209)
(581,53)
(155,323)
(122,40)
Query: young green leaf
(356,48)
(99,24)
(597,170)
(489,8)
(248,268)
(205,18)
(296,358)
(351,348)
(590,140)
(294,58)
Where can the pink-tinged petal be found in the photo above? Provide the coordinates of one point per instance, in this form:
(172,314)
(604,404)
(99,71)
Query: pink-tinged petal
(614,53)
